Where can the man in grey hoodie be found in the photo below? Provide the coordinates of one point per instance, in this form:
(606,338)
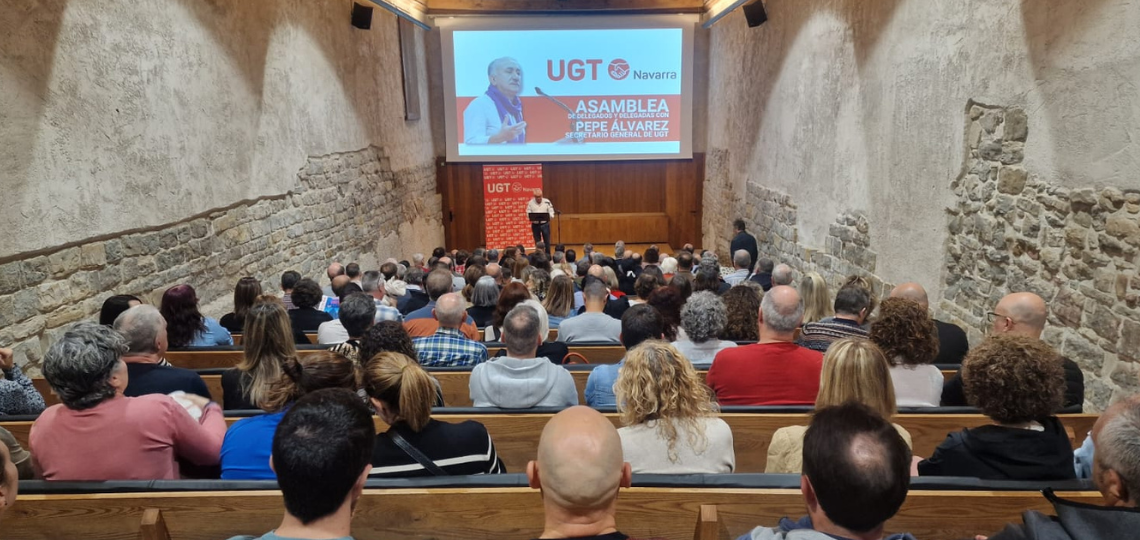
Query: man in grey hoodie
(519,380)
(856,474)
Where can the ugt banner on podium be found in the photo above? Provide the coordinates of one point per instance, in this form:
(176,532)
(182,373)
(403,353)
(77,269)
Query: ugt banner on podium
(507,188)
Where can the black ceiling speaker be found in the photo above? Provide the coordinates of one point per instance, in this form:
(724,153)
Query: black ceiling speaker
(361,16)
(755,14)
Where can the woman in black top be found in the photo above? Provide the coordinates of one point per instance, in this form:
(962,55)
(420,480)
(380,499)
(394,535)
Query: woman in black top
(245,293)
(1019,383)
(401,392)
(268,345)
(306,317)
(484,297)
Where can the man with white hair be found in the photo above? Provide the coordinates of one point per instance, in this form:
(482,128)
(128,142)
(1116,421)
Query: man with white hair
(741,262)
(145,331)
(783,275)
(774,371)
(448,346)
(1116,471)
(373,284)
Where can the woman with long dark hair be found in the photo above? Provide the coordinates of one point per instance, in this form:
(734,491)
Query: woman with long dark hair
(185,325)
(245,293)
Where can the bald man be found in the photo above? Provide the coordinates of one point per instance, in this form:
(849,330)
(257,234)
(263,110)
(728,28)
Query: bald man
(579,471)
(335,269)
(540,229)
(1116,472)
(448,346)
(1022,313)
(774,371)
(952,342)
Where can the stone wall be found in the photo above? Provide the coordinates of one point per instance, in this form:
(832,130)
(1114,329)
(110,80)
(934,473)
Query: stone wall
(1014,231)
(346,206)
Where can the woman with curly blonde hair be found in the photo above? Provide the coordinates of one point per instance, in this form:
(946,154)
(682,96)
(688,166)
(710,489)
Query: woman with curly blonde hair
(907,335)
(854,369)
(1019,383)
(670,416)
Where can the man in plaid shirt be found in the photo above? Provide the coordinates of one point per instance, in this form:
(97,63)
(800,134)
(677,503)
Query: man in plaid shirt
(448,347)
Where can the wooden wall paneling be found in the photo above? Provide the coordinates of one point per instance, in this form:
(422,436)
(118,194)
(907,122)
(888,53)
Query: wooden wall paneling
(684,188)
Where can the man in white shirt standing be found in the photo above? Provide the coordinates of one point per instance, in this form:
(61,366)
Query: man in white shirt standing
(540,229)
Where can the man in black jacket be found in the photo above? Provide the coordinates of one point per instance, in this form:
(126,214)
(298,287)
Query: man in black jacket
(742,240)
(1022,314)
(1116,471)
(148,372)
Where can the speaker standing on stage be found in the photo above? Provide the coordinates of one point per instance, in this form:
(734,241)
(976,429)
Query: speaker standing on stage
(540,229)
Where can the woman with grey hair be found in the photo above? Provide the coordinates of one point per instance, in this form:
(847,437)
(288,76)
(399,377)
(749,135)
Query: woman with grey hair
(702,319)
(96,433)
(484,298)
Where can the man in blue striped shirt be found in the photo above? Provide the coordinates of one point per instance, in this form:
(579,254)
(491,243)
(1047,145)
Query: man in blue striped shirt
(448,347)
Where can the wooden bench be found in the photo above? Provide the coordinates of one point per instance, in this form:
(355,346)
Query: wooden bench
(214,359)
(495,513)
(516,435)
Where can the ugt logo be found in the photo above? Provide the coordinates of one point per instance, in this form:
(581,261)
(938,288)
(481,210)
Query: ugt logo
(619,69)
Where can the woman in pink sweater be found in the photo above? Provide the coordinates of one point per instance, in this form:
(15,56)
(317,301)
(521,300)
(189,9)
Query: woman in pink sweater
(98,434)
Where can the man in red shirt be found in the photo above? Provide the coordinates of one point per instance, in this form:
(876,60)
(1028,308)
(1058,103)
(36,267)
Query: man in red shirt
(774,371)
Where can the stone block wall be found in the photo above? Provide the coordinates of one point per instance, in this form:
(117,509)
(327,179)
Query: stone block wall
(345,206)
(1014,231)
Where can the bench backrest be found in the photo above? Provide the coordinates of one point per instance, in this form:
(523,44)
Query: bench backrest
(516,435)
(495,513)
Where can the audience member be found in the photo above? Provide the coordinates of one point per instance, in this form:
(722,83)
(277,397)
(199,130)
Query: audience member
(512,295)
(306,318)
(386,337)
(854,478)
(703,319)
(484,297)
(267,345)
(538,282)
(707,277)
(763,275)
(643,286)
(907,335)
(9,479)
(742,304)
(357,312)
(321,454)
(492,256)
(579,471)
(471,276)
(185,325)
(115,306)
(373,285)
(520,380)
(448,347)
(1117,477)
(782,274)
(1021,314)
(640,323)
(683,285)
(245,292)
(817,298)
(422,322)
(333,271)
(742,267)
(685,262)
(17,394)
(852,307)
(415,297)
(402,394)
(668,302)
(854,369)
(20,458)
(669,268)
(339,286)
(289,280)
(555,351)
(559,301)
(249,442)
(352,270)
(593,325)
(144,330)
(952,342)
(774,371)
(742,241)
(1019,383)
(670,416)
(96,433)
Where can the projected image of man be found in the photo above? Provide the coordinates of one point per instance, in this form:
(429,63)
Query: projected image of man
(496,116)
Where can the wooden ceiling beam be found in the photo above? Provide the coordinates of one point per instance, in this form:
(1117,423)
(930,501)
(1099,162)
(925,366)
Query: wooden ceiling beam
(477,7)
